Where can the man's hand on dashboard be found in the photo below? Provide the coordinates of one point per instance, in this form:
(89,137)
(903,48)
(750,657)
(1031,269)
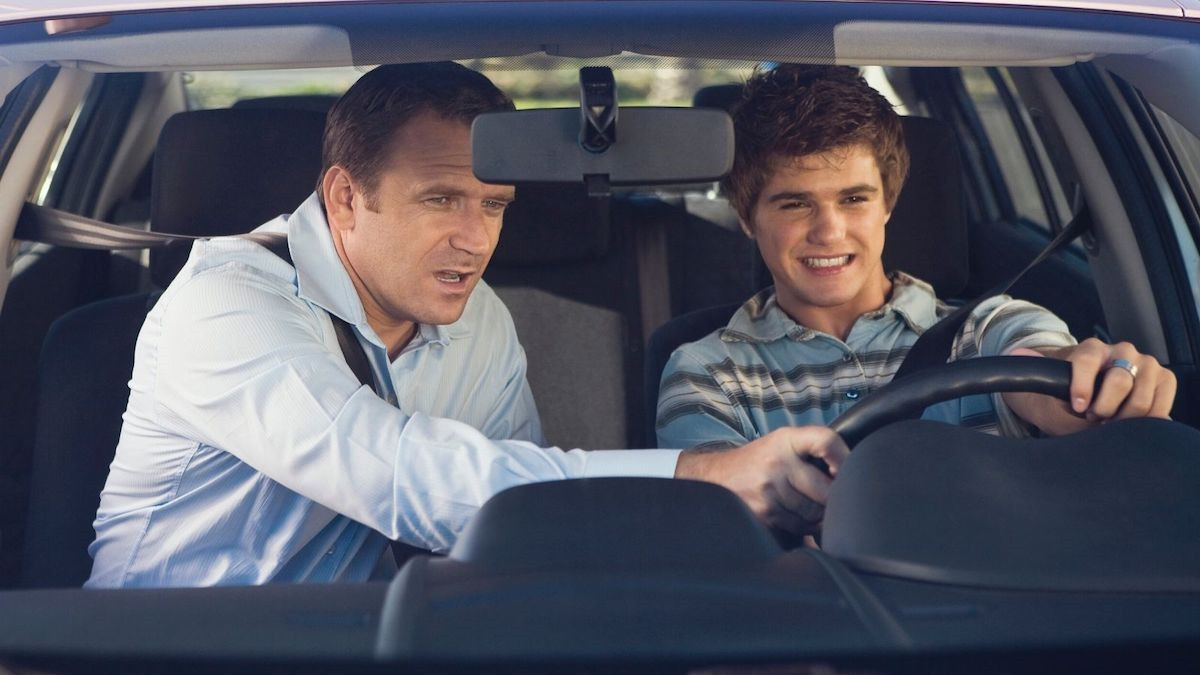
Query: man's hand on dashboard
(771,475)
(1133,385)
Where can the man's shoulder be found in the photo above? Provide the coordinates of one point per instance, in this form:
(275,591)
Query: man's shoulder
(226,272)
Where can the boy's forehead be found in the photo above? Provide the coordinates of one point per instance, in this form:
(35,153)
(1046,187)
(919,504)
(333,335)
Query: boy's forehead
(857,159)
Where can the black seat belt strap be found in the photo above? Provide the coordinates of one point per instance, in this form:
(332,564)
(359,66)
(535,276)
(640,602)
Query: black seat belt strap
(933,347)
(352,350)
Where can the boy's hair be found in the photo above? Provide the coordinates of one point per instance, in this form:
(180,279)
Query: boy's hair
(363,122)
(796,110)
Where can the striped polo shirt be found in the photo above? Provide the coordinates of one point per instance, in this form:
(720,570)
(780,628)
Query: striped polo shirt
(763,370)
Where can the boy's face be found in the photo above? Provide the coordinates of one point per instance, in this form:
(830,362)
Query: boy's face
(819,224)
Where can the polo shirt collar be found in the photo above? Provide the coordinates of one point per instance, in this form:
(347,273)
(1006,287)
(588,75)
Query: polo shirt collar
(321,278)
(762,320)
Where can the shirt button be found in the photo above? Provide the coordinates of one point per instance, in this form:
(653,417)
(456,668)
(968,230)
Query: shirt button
(852,395)
(847,357)
(391,400)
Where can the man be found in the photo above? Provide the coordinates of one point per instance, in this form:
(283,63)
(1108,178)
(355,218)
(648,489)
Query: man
(251,454)
(820,161)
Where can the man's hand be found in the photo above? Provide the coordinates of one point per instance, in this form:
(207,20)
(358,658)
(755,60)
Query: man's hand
(771,476)
(1121,395)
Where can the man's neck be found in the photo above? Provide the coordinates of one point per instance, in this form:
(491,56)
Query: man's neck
(394,334)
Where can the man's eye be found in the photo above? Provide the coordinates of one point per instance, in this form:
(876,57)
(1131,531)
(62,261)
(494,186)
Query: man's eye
(856,199)
(494,205)
(439,201)
(792,206)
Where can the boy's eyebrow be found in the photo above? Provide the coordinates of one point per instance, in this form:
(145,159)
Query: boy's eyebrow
(852,190)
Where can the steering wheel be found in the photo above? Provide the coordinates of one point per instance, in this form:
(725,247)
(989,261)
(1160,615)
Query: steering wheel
(907,398)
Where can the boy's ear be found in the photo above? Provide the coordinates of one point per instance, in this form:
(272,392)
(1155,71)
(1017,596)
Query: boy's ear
(745,228)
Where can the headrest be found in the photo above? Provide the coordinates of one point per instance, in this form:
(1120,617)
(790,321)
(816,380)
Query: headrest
(222,172)
(927,234)
(318,102)
(553,224)
(721,96)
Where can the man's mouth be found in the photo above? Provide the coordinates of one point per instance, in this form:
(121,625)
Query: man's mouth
(827,262)
(451,276)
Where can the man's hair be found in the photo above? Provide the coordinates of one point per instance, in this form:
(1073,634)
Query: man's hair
(361,125)
(797,110)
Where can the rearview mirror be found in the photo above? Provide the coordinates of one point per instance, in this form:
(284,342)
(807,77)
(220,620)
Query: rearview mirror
(655,146)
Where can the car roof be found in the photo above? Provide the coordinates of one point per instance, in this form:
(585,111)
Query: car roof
(65,8)
(265,33)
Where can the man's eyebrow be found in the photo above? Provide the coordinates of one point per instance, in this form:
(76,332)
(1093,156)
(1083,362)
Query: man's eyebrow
(504,196)
(451,190)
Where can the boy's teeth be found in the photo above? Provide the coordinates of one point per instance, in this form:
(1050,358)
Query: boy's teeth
(827,262)
(452,277)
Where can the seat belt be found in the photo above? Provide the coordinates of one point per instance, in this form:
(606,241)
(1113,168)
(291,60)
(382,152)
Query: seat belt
(933,347)
(59,228)
(356,358)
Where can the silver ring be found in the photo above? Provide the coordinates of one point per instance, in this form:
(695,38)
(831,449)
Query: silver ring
(1124,364)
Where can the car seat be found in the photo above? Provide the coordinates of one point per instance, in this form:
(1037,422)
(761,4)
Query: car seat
(216,172)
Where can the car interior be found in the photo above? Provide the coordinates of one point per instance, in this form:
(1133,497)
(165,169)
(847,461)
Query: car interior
(1006,147)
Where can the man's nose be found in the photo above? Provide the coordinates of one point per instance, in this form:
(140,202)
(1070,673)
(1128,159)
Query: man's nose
(473,234)
(828,227)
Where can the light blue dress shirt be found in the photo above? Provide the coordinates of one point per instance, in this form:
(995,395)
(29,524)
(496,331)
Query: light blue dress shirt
(251,454)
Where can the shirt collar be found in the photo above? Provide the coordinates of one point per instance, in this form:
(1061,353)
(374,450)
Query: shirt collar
(761,319)
(321,278)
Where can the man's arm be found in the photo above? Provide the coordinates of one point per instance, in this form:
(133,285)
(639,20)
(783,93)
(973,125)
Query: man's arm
(244,368)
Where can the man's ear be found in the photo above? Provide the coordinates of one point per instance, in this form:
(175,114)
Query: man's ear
(338,191)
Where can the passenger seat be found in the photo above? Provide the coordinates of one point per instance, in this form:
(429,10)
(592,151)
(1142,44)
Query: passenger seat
(566,269)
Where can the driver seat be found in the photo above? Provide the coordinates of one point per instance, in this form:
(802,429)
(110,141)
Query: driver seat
(926,237)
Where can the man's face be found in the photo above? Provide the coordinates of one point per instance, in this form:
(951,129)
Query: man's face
(819,224)
(420,245)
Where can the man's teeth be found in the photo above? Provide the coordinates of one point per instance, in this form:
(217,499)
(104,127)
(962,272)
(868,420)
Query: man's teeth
(449,277)
(827,262)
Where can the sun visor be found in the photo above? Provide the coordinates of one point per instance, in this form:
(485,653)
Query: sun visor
(652,146)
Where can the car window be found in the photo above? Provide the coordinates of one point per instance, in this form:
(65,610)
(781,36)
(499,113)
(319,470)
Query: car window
(532,81)
(988,92)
